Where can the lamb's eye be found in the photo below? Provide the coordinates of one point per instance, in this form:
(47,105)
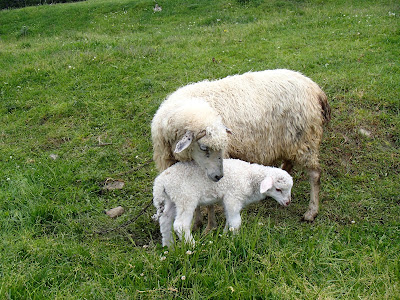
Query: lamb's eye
(279,190)
(203,147)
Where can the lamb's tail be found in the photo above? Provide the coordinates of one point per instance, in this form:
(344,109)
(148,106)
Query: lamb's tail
(159,198)
(325,108)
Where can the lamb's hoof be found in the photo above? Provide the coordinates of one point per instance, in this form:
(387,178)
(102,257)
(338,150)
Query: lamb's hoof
(234,230)
(309,216)
(191,243)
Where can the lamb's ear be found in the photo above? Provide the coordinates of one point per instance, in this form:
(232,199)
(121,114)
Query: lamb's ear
(184,142)
(266,184)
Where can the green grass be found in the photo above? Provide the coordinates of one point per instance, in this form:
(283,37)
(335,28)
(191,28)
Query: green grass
(73,76)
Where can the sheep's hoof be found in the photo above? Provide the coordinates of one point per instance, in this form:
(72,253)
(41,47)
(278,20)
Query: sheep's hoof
(309,216)
(196,226)
(209,228)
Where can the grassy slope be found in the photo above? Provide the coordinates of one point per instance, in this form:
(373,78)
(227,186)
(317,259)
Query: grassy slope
(72,75)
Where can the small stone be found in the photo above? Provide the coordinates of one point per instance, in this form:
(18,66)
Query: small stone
(113,184)
(365,132)
(115,212)
(53,156)
(157,8)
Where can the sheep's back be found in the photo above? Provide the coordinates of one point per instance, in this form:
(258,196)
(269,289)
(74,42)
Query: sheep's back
(272,113)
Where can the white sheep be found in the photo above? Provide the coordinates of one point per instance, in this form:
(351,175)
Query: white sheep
(180,189)
(273,115)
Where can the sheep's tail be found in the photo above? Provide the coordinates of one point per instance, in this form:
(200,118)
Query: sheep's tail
(325,108)
(159,198)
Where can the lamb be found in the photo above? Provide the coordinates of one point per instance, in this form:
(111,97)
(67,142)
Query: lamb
(184,186)
(260,117)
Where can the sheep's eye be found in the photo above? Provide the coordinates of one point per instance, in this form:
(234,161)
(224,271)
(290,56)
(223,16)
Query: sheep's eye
(203,147)
(279,190)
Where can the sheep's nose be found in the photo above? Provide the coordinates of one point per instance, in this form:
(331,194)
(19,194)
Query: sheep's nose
(217,177)
(287,202)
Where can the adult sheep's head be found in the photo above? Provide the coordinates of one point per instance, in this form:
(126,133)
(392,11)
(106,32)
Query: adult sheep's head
(207,149)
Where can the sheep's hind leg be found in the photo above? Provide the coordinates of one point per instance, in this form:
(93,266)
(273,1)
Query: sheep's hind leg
(287,166)
(311,213)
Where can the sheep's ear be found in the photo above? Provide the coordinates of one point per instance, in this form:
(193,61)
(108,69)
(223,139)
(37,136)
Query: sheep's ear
(266,184)
(184,142)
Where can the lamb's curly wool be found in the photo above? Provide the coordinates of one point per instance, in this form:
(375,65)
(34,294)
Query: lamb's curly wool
(184,186)
(275,115)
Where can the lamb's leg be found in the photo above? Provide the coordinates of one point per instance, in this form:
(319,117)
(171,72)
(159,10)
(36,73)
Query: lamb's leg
(182,224)
(212,222)
(287,166)
(233,220)
(166,220)
(198,219)
(311,213)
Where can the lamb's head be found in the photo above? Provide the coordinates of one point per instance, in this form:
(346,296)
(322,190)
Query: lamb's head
(278,186)
(206,148)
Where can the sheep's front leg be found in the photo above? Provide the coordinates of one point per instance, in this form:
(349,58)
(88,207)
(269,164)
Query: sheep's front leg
(182,224)
(311,213)
(212,222)
(198,219)
(166,220)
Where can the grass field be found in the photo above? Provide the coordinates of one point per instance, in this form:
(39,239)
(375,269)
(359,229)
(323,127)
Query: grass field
(79,84)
